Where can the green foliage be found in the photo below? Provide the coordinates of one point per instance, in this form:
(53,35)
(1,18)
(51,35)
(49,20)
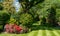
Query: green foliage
(12,21)
(1,7)
(31,10)
(43,22)
(1,27)
(34,12)
(52,16)
(58,14)
(26,19)
(28,4)
(4,17)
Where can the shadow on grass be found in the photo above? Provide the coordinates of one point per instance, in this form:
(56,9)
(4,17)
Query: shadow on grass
(40,27)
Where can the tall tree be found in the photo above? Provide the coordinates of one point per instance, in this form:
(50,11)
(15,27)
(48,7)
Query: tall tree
(28,4)
(8,6)
(1,6)
(52,16)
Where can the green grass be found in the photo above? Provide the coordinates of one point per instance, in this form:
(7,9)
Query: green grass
(41,32)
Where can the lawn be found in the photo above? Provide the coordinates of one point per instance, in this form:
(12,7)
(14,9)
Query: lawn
(42,32)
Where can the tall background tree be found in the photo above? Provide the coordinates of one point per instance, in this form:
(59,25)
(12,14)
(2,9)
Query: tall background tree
(52,16)
(28,4)
(8,6)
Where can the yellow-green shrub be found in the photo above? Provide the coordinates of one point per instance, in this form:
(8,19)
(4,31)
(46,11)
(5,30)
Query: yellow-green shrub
(26,19)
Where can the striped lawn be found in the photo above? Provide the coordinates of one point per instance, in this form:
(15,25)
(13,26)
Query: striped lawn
(45,32)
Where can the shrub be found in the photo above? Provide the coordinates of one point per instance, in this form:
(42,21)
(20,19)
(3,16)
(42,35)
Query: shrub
(9,28)
(1,27)
(12,20)
(1,6)
(26,19)
(43,22)
(4,17)
(52,16)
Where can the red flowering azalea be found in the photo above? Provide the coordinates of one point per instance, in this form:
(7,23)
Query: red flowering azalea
(12,28)
(17,28)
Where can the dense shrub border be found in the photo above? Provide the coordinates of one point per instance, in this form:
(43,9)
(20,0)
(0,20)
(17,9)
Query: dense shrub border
(4,17)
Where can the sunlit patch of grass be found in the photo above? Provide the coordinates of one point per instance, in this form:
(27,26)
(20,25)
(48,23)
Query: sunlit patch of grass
(43,33)
(13,34)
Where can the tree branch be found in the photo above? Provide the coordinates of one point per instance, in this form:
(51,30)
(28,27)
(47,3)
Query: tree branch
(33,3)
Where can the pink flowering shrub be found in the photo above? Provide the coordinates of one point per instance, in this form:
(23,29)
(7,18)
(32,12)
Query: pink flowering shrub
(9,28)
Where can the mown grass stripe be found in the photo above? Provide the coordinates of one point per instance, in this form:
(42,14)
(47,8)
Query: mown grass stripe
(35,34)
(22,35)
(56,33)
(32,33)
(48,33)
(52,34)
(13,34)
(43,33)
(4,35)
(39,33)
